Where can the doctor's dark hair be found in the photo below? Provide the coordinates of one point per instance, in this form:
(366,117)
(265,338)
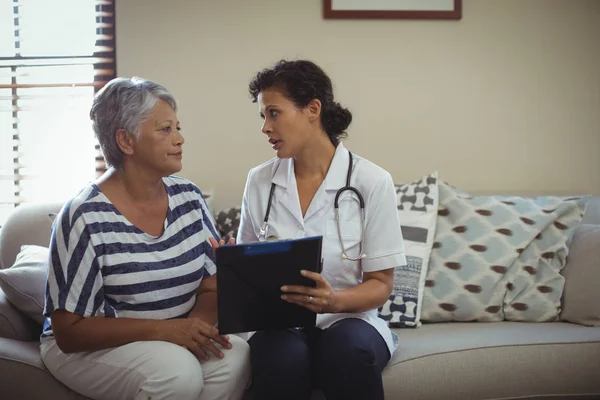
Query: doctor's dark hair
(301,81)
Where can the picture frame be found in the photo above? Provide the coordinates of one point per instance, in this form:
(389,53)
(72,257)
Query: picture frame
(393,9)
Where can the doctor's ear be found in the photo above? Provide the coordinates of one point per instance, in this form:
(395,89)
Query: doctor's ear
(313,109)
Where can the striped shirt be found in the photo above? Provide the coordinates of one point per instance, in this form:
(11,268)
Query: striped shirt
(102,265)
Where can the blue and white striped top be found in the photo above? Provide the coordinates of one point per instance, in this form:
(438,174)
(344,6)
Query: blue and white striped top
(102,265)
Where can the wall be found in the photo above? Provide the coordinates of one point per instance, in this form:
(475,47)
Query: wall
(505,100)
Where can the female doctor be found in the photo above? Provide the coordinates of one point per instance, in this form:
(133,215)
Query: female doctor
(294,196)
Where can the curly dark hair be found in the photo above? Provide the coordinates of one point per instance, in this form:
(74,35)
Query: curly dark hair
(301,81)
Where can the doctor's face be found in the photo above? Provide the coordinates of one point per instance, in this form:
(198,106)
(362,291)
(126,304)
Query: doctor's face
(286,125)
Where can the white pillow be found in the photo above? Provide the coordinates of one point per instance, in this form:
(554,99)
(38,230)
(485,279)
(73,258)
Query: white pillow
(24,283)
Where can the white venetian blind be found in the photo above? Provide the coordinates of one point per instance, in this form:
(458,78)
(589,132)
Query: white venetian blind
(54,55)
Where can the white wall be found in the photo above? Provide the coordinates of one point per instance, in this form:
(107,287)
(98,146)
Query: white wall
(505,100)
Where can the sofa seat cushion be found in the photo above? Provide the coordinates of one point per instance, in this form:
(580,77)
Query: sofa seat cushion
(494,360)
(20,365)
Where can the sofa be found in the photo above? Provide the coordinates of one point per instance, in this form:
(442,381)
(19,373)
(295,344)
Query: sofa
(448,360)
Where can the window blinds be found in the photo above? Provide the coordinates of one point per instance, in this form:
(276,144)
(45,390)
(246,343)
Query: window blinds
(54,55)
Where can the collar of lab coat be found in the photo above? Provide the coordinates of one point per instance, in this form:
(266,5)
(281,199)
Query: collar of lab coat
(335,178)
(284,177)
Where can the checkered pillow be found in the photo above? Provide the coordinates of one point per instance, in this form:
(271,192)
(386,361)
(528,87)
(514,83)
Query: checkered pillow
(417,204)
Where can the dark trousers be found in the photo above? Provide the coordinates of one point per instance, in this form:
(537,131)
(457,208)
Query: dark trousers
(345,361)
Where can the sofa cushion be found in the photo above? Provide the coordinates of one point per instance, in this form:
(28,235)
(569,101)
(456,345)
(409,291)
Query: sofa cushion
(25,282)
(499,257)
(581,297)
(417,204)
(498,360)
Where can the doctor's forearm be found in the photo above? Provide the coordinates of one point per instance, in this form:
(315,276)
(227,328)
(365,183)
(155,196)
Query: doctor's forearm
(364,297)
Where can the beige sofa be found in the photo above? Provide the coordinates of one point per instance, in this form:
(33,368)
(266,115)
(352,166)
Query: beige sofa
(504,360)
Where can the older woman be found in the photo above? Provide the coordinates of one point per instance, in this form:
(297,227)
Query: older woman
(131,295)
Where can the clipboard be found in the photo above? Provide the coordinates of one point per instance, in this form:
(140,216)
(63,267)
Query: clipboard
(249,281)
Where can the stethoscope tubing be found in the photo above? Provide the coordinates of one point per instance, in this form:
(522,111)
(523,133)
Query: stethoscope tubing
(264,229)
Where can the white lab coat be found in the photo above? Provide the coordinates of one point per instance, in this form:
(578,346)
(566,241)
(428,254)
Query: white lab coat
(383,244)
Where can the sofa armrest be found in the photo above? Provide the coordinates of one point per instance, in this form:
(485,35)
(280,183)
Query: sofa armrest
(20,365)
(15,325)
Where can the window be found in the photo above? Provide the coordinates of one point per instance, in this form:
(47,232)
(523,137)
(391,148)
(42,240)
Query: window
(54,55)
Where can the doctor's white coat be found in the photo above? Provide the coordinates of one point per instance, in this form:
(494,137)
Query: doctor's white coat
(383,243)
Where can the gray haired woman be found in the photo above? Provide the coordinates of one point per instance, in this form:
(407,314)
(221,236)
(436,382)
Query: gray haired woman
(131,294)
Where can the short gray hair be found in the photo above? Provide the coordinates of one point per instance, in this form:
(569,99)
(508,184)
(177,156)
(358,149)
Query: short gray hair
(124,103)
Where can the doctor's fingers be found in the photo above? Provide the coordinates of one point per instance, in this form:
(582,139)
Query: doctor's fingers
(306,290)
(314,276)
(303,299)
(316,305)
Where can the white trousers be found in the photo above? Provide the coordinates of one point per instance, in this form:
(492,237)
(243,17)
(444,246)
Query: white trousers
(151,370)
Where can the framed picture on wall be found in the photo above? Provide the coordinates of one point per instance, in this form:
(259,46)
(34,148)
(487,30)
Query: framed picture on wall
(392,9)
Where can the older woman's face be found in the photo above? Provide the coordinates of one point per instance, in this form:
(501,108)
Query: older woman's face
(159,146)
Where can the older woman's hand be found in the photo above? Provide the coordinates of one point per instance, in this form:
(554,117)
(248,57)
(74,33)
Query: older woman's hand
(194,334)
(320,299)
(216,245)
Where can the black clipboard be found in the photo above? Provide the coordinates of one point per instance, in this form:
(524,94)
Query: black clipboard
(249,280)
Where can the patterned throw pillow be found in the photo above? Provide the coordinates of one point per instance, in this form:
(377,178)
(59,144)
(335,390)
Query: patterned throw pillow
(417,211)
(499,258)
(228,222)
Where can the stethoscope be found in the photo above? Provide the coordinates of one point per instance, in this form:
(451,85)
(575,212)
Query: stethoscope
(264,229)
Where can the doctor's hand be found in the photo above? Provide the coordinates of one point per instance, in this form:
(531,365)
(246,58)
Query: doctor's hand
(320,299)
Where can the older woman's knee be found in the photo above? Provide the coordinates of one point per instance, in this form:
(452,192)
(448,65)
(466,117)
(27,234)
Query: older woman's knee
(237,358)
(177,375)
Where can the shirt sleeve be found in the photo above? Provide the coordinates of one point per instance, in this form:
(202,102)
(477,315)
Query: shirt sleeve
(384,245)
(75,281)
(209,231)
(246,232)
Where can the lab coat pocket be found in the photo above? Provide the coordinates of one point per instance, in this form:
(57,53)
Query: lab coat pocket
(350,237)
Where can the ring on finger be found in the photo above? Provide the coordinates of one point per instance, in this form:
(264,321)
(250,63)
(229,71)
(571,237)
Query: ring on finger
(310,299)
